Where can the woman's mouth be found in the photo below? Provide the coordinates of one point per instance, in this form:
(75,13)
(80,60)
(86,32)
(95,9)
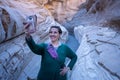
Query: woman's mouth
(52,36)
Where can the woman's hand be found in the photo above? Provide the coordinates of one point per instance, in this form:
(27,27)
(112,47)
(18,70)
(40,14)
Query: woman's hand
(64,71)
(26,29)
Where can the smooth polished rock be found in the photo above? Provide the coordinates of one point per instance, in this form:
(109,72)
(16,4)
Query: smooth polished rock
(99,61)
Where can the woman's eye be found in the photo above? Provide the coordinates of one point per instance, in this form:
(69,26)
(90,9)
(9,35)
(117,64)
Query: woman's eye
(55,32)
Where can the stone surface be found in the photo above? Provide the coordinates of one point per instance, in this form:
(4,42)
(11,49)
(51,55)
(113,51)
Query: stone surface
(14,53)
(31,71)
(13,13)
(98,57)
(15,56)
(98,51)
(63,10)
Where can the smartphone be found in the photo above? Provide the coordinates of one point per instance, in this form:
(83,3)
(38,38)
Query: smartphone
(32,21)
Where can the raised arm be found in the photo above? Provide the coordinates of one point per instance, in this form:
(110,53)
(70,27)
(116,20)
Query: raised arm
(36,48)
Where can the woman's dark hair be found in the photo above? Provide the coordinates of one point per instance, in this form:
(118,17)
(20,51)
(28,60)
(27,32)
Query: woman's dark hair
(58,27)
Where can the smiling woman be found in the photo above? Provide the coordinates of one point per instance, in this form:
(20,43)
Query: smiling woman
(55,33)
(53,55)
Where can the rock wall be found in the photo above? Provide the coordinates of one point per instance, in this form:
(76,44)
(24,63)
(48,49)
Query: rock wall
(10,25)
(98,54)
(14,53)
(96,12)
(93,53)
(96,27)
(63,10)
(99,51)
(13,13)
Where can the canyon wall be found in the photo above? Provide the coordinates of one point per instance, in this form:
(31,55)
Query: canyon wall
(98,32)
(95,24)
(14,53)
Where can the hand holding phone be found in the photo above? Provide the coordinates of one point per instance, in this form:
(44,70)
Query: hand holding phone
(30,24)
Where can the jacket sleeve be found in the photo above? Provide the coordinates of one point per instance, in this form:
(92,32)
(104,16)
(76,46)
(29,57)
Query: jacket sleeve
(72,56)
(35,48)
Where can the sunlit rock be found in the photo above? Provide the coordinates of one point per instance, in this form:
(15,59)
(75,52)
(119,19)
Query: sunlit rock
(63,10)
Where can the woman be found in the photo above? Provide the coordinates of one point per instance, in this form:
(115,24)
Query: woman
(53,56)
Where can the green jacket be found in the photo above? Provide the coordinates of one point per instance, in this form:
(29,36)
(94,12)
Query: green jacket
(50,67)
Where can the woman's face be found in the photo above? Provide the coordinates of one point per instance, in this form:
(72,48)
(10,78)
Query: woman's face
(54,34)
